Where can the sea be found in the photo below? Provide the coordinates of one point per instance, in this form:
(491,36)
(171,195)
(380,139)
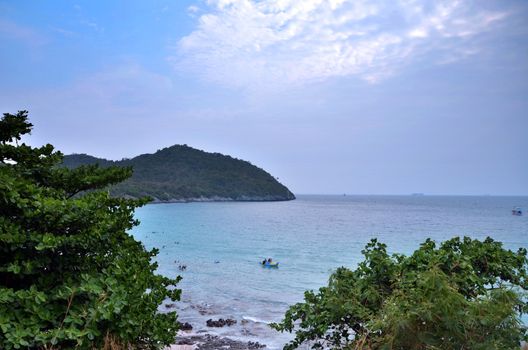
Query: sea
(222,244)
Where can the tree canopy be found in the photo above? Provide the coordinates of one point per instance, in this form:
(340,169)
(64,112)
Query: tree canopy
(462,294)
(70,274)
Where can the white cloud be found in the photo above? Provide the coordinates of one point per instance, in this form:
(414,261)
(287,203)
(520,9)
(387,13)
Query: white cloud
(93,25)
(21,33)
(244,43)
(64,32)
(127,88)
(193,9)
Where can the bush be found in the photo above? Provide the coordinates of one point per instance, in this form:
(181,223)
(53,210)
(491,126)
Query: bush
(70,275)
(464,294)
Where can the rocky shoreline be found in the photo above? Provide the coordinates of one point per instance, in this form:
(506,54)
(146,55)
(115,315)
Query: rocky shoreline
(270,198)
(211,342)
(201,340)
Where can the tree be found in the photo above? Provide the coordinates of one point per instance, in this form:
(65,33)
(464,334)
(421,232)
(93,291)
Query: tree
(464,294)
(70,274)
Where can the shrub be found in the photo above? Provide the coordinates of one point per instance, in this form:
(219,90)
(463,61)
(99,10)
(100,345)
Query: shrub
(70,274)
(464,294)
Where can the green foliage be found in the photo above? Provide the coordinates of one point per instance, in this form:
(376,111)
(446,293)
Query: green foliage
(182,172)
(463,294)
(70,275)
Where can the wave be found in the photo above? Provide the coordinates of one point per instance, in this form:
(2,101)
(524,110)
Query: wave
(254,319)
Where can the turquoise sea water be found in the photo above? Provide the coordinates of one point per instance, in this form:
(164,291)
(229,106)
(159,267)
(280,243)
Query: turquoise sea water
(223,243)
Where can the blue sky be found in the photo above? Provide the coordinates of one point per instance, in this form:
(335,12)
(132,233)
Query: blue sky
(334,96)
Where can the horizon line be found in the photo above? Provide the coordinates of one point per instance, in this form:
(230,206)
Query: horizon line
(411,194)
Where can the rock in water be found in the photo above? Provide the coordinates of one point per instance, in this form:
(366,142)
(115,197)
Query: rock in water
(213,342)
(221,322)
(185,326)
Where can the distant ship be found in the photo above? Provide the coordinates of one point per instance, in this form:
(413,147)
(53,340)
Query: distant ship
(517,211)
(417,194)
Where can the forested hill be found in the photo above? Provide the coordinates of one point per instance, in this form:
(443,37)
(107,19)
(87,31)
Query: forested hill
(182,173)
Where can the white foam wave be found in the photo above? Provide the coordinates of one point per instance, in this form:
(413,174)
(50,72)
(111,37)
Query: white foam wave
(254,319)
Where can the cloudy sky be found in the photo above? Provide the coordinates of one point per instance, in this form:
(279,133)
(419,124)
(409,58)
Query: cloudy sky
(331,96)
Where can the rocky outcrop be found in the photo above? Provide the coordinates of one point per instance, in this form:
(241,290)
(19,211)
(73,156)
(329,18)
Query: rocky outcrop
(221,322)
(212,342)
(185,326)
(269,198)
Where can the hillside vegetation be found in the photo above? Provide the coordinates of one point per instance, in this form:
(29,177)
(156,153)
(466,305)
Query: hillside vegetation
(182,173)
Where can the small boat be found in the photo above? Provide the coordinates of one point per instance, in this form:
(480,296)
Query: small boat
(270,264)
(517,211)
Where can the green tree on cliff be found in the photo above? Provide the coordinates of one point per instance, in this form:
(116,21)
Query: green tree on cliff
(70,275)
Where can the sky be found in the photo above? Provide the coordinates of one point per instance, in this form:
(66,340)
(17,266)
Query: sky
(330,96)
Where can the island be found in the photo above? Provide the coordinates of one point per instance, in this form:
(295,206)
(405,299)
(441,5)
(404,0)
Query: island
(184,174)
